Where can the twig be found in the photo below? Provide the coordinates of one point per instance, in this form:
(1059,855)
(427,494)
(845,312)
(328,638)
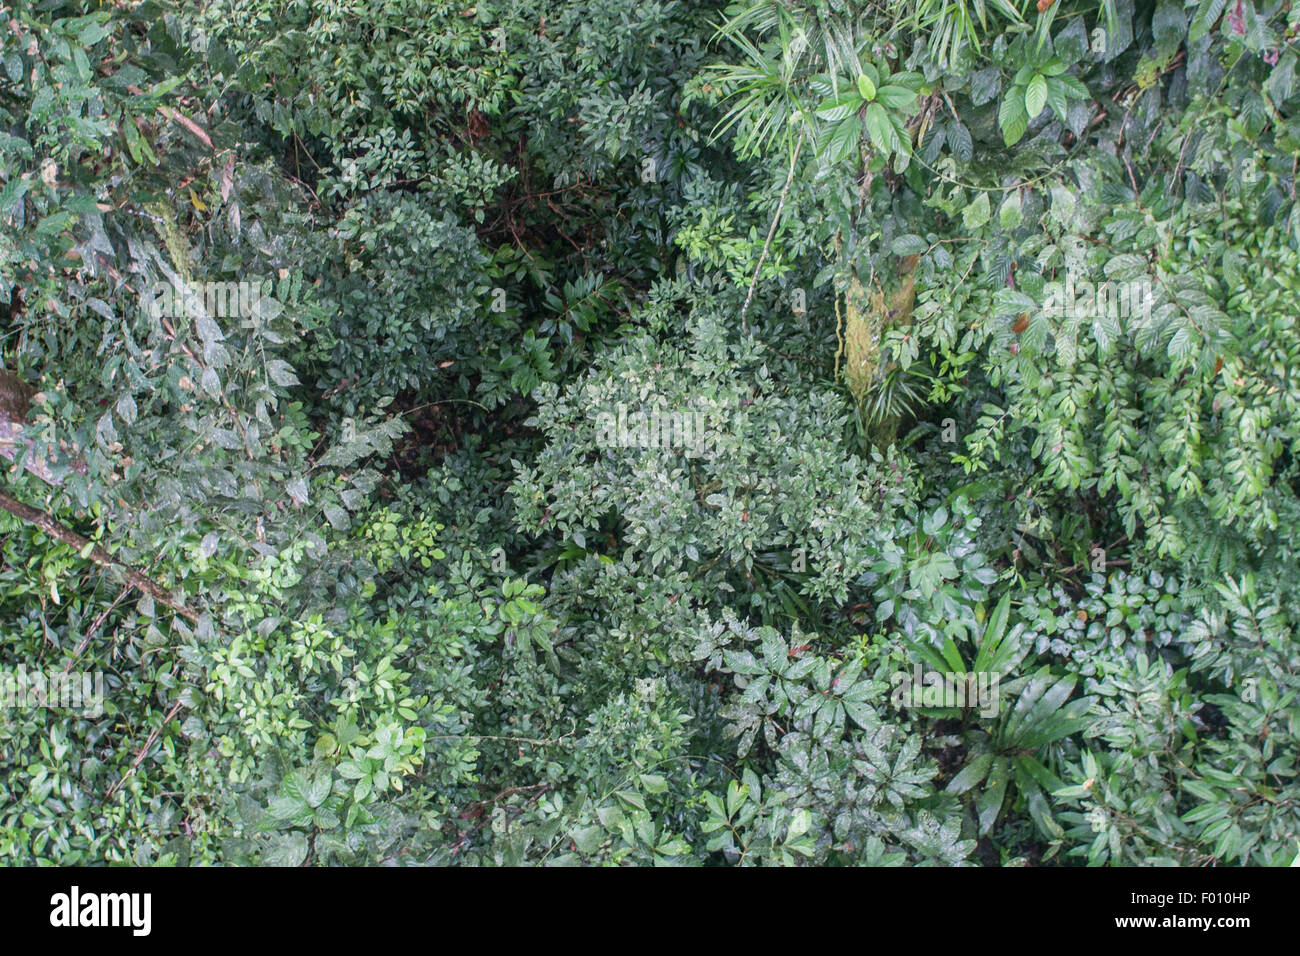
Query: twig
(139,754)
(99,621)
(767,243)
(61,532)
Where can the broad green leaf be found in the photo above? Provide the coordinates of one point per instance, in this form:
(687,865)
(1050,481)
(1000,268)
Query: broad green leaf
(1012,119)
(977,213)
(971,774)
(1036,95)
(879,128)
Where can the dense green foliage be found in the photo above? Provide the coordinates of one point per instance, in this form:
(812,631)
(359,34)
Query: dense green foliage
(631,396)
